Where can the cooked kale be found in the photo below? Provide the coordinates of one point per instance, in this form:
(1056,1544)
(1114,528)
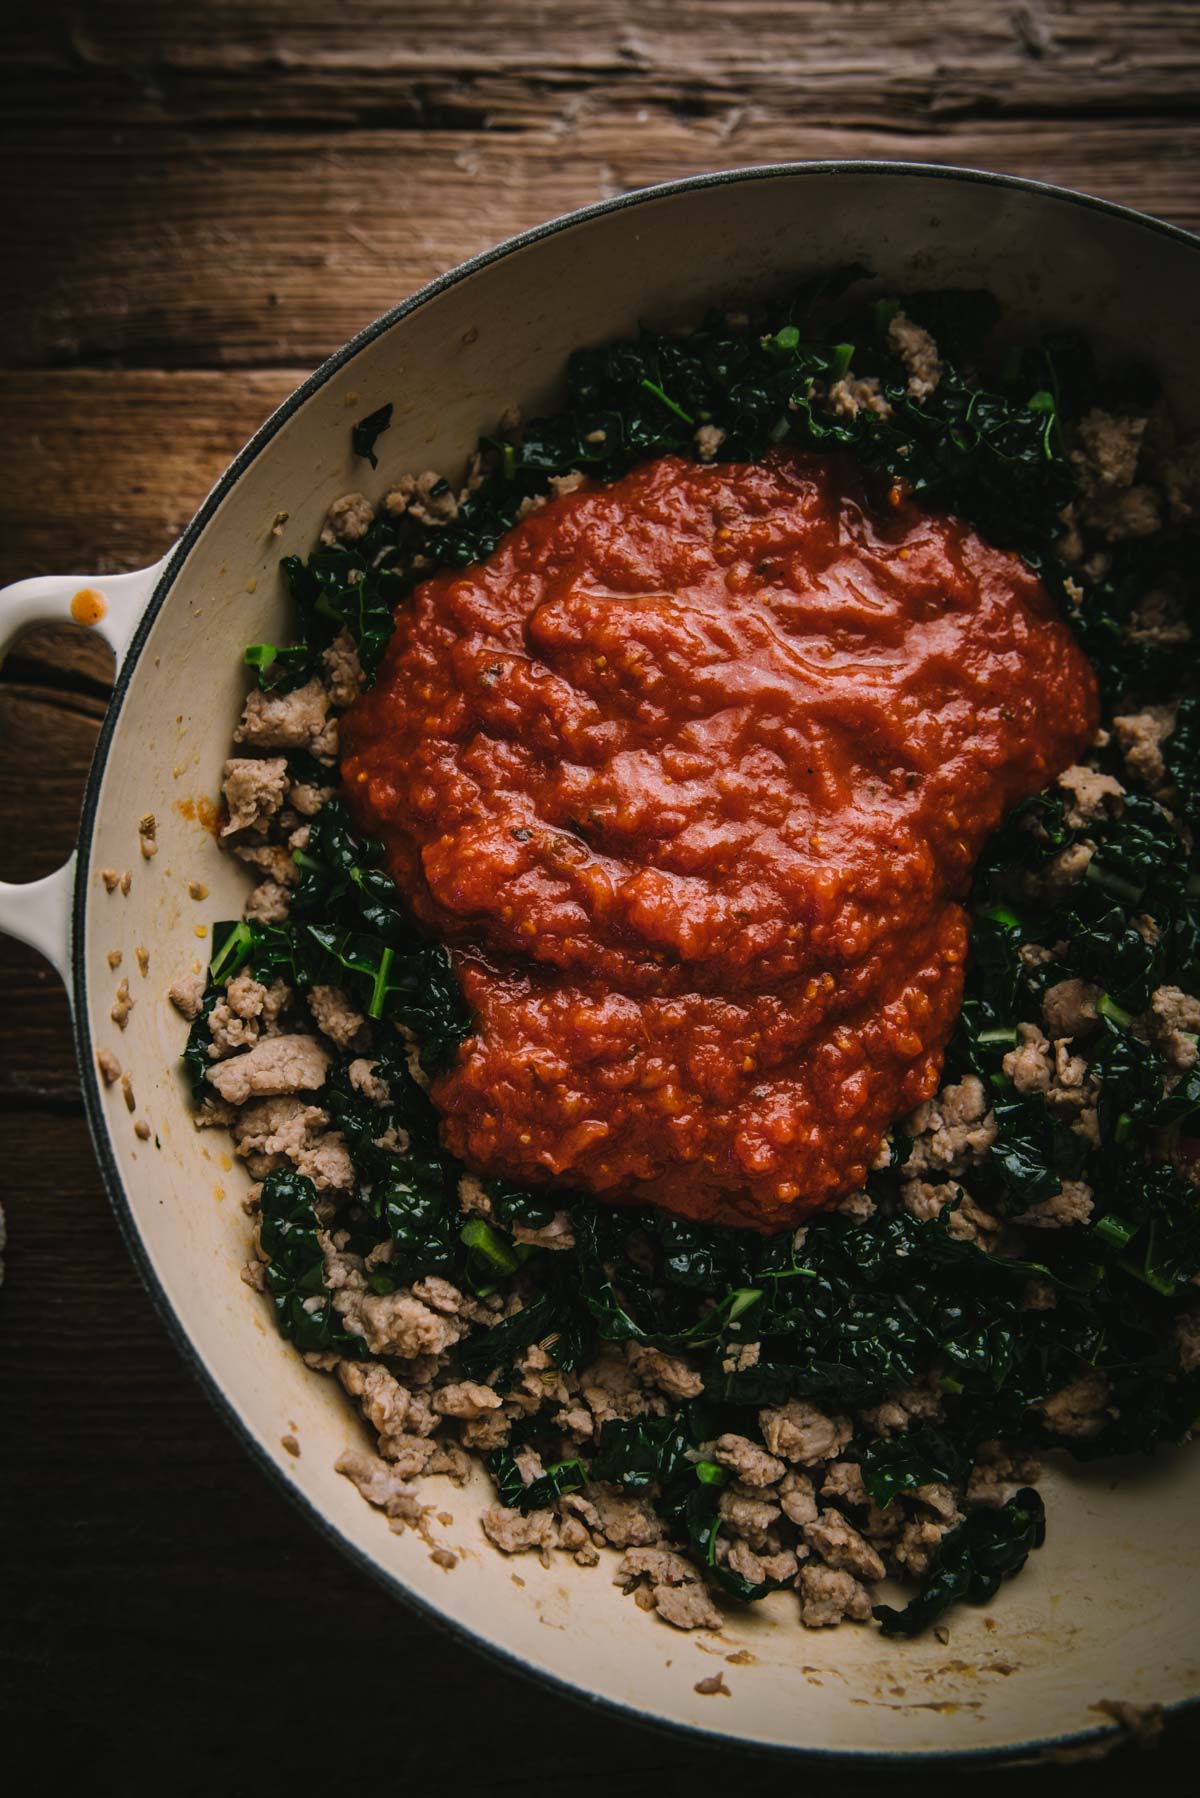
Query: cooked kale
(922,1456)
(987,1547)
(845,1312)
(367,432)
(288,1231)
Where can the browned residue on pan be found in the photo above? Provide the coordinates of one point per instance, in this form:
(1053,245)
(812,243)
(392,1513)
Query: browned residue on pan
(202,811)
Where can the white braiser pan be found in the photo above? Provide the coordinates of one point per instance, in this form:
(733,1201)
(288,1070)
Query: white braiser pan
(1108,1609)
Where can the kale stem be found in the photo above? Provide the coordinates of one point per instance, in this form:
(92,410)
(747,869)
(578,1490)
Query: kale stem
(743,1298)
(479,1235)
(1108,1008)
(1115,885)
(1114,1229)
(379,989)
(233,953)
(656,390)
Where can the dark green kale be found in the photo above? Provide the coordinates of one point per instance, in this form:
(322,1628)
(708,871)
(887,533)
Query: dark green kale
(922,1456)
(231,944)
(559,1478)
(1181,753)
(348,916)
(368,430)
(987,1547)
(295,1265)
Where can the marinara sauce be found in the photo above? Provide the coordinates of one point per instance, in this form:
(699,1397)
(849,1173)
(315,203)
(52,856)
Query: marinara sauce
(691,774)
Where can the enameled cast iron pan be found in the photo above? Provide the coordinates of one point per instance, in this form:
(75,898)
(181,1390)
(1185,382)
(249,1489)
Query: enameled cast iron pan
(1108,1609)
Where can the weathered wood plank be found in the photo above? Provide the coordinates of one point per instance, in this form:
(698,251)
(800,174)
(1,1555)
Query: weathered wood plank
(248,248)
(101,471)
(514,66)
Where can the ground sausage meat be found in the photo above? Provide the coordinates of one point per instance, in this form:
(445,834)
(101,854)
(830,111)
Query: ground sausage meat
(278,1064)
(692,772)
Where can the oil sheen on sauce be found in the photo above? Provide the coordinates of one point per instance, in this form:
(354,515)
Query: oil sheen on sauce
(691,774)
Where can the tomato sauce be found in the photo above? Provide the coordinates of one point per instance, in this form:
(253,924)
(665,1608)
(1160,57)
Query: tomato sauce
(691,774)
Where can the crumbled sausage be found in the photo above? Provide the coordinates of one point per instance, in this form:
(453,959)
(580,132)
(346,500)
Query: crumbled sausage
(1072,1204)
(396,1323)
(343,673)
(853,394)
(844,1482)
(1069,1008)
(1174,1023)
(1079,1410)
(625,1519)
(336,1016)
(796,1497)
(610,1388)
(427,497)
(923,1199)
(1106,456)
(779,1565)
(1134,513)
(915,1549)
(278,1064)
(272,859)
(1141,736)
(348,520)
(389,1408)
(1089,795)
(1181,482)
(380,1485)
(839,1544)
(918,352)
(752,1464)
(570,482)
(799,1432)
(746,1513)
(516,1532)
(365,1080)
(307,799)
(676,1590)
(1029,1066)
(467,1399)
(187,994)
(669,1373)
(269,903)
(1067,868)
(709,439)
(110,1067)
(999,1472)
(828,1594)
(254,790)
(1187,1338)
(953,1131)
(296,720)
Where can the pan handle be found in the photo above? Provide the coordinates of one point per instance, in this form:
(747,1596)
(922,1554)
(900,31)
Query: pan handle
(38,912)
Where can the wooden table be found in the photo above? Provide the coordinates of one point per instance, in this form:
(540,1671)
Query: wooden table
(202,201)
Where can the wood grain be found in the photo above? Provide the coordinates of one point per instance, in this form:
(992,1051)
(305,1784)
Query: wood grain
(202,201)
(529,67)
(176,262)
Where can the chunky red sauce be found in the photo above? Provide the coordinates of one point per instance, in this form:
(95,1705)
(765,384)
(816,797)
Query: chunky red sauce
(691,773)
